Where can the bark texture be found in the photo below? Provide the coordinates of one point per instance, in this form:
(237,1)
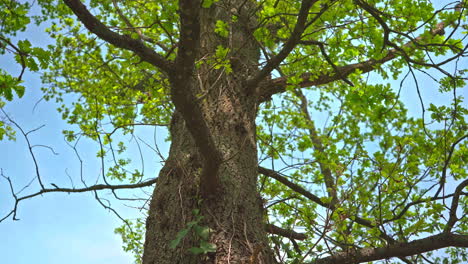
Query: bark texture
(212,164)
(234,211)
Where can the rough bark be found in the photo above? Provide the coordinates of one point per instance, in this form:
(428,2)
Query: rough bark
(234,214)
(212,164)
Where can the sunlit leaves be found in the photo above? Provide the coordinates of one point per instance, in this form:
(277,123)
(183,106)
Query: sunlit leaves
(217,61)
(8,85)
(6,130)
(379,155)
(383,161)
(208,3)
(14,16)
(222,28)
(31,56)
(132,234)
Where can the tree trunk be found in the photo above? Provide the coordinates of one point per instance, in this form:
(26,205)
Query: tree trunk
(235,215)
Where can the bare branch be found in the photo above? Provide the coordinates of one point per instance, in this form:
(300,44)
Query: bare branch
(30,147)
(56,189)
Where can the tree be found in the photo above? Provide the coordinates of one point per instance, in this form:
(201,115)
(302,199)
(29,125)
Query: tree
(254,174)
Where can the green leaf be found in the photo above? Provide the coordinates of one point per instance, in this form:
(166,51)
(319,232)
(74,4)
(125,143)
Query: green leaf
(208,247)
(19,89)
(182,233)
(196,250)
(135,35)
(24,45)
(222,28)
(208,3)
(202,231)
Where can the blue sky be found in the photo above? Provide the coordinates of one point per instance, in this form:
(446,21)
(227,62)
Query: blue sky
(55,227)
(58,228)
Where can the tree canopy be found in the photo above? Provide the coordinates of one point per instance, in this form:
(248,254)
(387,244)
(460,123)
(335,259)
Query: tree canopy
(346,173)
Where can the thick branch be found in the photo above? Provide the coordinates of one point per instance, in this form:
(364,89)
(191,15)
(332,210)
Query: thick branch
(136,29)
(275,230)
(396,250)
(453,208)
(287,48)
(447,162)
(278,85)
(274,175)
(182,93)
(122,41)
